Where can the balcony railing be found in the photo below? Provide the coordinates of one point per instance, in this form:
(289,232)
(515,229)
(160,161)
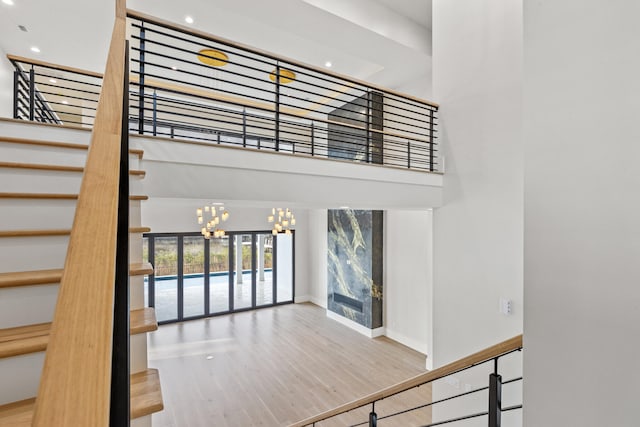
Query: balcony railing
(186,84)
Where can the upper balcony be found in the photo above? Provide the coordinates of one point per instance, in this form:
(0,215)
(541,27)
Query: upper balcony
(191,87)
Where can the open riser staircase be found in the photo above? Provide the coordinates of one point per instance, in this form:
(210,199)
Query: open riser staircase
(40,174)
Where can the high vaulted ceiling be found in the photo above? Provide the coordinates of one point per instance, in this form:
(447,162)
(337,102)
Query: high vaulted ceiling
(387,42)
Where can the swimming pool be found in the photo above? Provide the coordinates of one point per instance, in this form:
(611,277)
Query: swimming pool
(166,294)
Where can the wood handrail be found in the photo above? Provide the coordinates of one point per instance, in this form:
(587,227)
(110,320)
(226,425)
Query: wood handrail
(75,385)
(37,62)
(167,24)
(489,353)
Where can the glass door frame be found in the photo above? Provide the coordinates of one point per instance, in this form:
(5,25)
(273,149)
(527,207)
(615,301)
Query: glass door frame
(206,272)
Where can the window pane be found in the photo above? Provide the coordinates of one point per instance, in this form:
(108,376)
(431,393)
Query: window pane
(219,275)
(193,271)
(285,267)
(166,283)
(264,270)
(242,275)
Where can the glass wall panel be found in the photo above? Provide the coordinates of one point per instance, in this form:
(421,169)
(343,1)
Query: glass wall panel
(219,275)
(193,271)
(284,267)
(166,283)
(242,286)
(264,270)
(239,271)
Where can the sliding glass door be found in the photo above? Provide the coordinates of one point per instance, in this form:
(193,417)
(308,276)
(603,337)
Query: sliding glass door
(196,278)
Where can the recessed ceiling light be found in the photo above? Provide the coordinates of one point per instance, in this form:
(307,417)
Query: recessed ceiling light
(328,64)
(344,207)
(174,68)
(35,49)
(209,357)
(188,19)
(53,80)
(65,102)
(9,2)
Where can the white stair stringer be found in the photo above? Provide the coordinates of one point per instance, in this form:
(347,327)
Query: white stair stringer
(26,305)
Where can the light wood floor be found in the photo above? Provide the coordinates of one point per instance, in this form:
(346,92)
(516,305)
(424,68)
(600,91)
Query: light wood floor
(274,366)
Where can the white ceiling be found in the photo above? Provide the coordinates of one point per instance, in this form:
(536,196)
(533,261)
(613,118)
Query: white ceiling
(416,10)
(376,44)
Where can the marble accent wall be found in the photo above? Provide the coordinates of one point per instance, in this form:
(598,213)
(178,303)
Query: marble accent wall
(355,248)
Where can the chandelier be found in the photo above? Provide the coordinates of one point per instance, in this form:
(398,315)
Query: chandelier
(217,214)
(285,220)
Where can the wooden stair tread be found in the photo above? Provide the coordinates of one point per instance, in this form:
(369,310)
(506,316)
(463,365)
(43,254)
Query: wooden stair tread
(140,269)
(143,320)
(27,278)
(24,339)
(57,168)
(69,145)
(56,232)
(17,414)
(146,398)
(55,196)
(34,338)
(146,393)
(43,277)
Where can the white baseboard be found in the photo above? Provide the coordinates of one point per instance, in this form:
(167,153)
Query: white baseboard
(301,298)
(371,333)
(405,340)
(319,302)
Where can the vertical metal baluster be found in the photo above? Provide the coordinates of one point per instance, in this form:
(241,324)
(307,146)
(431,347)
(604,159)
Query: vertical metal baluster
(368,126)
(244,127)
(277,107)
(32,93)
(495,396)
(141,81)
(431,140)
(312,138)
(16,90)
(155,113)
(120,368)
(373,417)
(408,154)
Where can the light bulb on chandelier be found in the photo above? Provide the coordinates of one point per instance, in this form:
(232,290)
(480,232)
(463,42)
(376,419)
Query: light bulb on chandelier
(282,220)
(210,228)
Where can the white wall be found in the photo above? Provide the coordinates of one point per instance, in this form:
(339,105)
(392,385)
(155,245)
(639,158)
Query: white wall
(478,232)
(6,86)
(582,234)
(408,279)
(186,170)
(318,256)
(422,87)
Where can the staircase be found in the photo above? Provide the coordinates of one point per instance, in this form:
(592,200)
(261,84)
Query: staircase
(40,175)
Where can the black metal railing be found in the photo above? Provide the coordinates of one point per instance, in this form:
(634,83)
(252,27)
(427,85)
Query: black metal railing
(49,93)
(189,85)
(120,413)
(488,400)
(29,103)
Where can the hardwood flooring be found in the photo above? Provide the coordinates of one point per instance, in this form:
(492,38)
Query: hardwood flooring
(278,365)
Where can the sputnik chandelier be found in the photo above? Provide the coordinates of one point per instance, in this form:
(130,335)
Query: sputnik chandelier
(285,220)
(217,214)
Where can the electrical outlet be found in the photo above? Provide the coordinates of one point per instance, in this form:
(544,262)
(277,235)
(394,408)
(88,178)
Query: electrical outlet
(505,306)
